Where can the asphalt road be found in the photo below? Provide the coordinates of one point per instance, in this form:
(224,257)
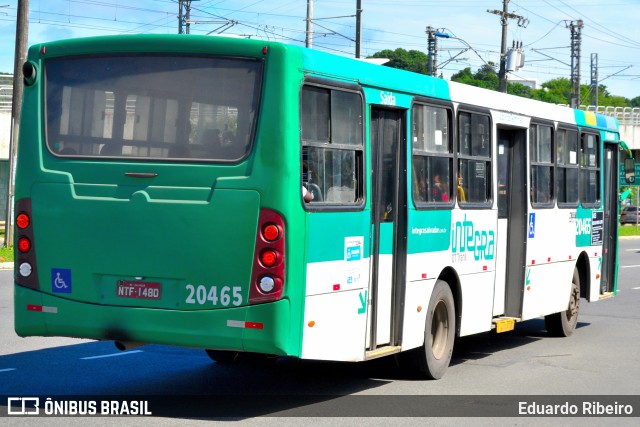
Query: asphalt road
(600,359)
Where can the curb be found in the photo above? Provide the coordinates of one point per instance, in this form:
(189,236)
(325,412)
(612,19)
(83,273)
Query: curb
(6,266)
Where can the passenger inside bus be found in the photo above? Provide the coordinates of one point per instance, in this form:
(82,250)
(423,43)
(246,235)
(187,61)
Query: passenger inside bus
(211,141)
(438,192)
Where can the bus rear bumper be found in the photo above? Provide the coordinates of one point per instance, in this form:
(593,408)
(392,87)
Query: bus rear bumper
(262,328)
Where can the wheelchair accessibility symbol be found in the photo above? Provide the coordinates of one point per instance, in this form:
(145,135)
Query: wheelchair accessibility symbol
(61,280)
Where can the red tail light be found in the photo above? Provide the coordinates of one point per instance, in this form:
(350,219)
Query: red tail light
(24,245)
(23,221)
(267,277)
(25,256)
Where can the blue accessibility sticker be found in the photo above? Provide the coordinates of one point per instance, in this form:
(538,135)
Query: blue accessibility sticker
(61,280)
(532,225)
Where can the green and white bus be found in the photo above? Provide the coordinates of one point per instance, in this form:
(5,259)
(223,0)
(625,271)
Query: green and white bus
(160,198)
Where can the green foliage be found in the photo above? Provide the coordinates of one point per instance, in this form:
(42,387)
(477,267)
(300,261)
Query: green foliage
(412,60)
(629,230)
(6,254)
(485,77)
(556,91)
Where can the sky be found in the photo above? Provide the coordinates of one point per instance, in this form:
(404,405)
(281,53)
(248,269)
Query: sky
(611,29)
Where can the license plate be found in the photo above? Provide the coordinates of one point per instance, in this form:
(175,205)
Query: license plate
(137,289)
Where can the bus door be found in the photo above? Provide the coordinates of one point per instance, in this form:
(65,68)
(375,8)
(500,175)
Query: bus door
(512,222)
(610,226)
(388,229)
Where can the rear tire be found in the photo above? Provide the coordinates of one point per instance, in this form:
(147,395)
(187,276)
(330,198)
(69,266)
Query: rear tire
(222,356)
(433,358)
(564,323)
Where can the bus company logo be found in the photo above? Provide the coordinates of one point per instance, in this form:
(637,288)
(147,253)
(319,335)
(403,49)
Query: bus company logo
(23,406)
(387,98)
(465,238)
(354,253)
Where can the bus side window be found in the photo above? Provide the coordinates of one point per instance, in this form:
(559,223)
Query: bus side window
(567,168)
(541,155)
(474,158)
(332,145)
(432,155)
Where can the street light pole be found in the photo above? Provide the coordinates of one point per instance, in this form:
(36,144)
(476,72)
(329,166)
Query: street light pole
(22,31)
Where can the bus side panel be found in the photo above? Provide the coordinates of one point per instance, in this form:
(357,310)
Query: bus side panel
(473,256)
(593,290)
(547,289)
(337,278)
(334,326)
(415,312)
(477,302)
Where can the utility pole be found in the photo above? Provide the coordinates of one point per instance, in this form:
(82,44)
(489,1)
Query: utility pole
(358,27)
(504,17)
(22,31)
(576,40)
(432,44)
(184,16)
(594,79)
(309,33)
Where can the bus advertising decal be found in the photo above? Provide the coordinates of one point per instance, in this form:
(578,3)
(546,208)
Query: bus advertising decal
(353,251)
(589,227)
(597,222)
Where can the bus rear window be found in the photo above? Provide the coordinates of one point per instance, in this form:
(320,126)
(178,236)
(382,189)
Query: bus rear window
(152,107)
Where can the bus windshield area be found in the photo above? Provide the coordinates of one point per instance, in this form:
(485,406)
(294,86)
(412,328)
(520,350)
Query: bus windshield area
(152,107)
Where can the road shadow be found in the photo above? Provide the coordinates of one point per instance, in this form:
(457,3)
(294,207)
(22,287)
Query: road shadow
(180,381)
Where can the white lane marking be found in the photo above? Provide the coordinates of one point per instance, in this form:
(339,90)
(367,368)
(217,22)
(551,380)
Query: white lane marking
(7,370)
(630,266)
(124,353)
(635,289)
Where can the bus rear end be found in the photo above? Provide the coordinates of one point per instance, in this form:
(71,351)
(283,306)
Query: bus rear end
(139,209)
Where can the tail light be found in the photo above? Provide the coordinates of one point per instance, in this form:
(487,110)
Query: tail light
(267,277)
(26,273)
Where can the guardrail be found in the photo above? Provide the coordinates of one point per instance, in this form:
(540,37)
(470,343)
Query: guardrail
(6,93)
(625,115)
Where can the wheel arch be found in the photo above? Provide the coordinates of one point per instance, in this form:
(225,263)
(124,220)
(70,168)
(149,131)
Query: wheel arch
(584,271)
(450,276)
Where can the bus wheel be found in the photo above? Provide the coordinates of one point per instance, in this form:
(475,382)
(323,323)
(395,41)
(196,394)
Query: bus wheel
(564,323)
(432,359)
(222,356)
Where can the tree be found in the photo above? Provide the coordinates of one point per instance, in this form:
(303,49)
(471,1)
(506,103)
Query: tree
(555,91)
(635,102)
(486,77)
(412,60)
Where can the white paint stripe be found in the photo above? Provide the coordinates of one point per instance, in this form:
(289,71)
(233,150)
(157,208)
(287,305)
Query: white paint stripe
(633,250)
(635,289)
(235,323)
(7,370)
(124,353)
(630,266)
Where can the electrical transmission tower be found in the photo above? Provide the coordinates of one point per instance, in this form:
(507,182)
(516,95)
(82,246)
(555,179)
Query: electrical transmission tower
(504,21)
(576,40)
(184,16)
(432,43)
(594,79)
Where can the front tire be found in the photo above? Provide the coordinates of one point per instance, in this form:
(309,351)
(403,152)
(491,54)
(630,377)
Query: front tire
(433,358)
(564,323)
